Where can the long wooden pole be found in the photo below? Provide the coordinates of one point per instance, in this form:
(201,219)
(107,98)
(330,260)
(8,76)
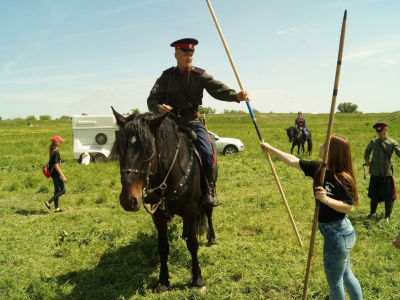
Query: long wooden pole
(325,159)
(255,124)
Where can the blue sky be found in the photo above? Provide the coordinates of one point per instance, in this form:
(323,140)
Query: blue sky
(62,57)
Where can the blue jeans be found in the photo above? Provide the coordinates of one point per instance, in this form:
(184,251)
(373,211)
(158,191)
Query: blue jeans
(59,189)
(304,132)
(339,239)
(203,145)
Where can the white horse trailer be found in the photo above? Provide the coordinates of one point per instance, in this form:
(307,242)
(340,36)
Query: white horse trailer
(93,135)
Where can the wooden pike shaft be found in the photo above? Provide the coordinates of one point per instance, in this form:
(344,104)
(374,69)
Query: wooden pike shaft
(325,159)
(255,124)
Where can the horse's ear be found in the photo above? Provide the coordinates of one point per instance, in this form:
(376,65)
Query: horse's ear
(155,123)
(121,120)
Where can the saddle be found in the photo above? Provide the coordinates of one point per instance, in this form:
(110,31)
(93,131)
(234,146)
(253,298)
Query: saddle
(192,138)
(190,134)
(301,136)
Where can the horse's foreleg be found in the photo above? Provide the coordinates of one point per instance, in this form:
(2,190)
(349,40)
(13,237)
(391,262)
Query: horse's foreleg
(193,246)
(210,231)
(291,150)
(163,251)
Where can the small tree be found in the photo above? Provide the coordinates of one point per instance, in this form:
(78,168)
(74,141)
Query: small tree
(206,110)
(135,111)
(44,117)
(31,118)
(347,107)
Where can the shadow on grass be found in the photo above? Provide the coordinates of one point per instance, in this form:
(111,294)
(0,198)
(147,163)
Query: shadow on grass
(26,212)
(121,273)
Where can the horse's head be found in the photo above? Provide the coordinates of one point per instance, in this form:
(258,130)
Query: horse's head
(291,134)
(136,147)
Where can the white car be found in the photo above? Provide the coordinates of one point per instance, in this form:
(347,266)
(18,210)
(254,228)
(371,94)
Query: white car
(226,146)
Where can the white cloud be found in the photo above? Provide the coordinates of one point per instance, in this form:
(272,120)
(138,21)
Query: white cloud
(288,31)
(360,55)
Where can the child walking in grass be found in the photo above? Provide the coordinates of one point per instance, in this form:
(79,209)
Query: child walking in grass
(56,174)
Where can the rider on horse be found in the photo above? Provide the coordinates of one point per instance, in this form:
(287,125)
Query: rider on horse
(179,92)
(300,123)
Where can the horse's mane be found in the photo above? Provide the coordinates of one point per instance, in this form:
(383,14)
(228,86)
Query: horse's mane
(152,135)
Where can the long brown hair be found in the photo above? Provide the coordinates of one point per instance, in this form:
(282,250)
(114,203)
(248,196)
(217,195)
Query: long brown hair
(340,163)
(53,146)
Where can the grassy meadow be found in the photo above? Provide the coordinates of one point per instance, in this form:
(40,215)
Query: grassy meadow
(96,250)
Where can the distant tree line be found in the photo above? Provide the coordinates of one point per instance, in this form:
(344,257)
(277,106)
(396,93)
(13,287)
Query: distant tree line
(136,111)
(206,111)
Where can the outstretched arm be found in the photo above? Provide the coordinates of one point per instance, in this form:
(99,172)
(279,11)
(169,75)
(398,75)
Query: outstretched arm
(396,149)
(287,158)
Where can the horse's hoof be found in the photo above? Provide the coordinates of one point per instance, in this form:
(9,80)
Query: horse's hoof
(203,290)
(211,245)
(160,289)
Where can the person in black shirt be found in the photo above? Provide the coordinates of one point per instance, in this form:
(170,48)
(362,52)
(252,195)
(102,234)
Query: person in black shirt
(338,195)
(56,174)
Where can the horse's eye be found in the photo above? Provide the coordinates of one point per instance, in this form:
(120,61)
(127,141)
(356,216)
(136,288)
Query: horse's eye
(133,140)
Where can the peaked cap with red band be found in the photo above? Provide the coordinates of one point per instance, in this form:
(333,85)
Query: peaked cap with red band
(380,127)
(186,45)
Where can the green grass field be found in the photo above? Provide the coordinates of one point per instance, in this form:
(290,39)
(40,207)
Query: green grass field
(96,250)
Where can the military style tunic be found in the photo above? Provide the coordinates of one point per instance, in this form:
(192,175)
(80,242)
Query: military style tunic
(184,92)
(381,163)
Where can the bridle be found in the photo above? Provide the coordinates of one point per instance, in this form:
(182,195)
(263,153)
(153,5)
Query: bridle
(163,186)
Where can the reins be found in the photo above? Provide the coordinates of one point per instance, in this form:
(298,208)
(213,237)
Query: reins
(163,186)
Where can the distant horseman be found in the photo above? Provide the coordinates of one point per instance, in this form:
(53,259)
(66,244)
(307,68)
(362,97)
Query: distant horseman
(300,123)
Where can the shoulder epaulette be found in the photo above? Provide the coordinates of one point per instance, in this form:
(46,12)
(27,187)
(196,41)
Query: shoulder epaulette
(198,70)
(168,71)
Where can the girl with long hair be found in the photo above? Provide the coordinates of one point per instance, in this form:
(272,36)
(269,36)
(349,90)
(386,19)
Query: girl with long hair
(56,174)
(337,195)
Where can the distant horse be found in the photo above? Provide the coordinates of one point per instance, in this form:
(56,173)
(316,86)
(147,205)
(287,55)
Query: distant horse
(296,138)
(159,166)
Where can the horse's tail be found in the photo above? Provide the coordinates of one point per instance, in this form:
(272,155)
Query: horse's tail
(309,144)
(202,224)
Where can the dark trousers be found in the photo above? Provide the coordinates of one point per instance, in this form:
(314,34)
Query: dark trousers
(388,207)
(203,145)
(59,189)
(382,189)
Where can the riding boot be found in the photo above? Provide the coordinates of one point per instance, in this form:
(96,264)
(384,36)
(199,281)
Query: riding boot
(210,197)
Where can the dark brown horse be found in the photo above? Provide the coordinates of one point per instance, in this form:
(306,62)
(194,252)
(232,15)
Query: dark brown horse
(296,137)
(158,166)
